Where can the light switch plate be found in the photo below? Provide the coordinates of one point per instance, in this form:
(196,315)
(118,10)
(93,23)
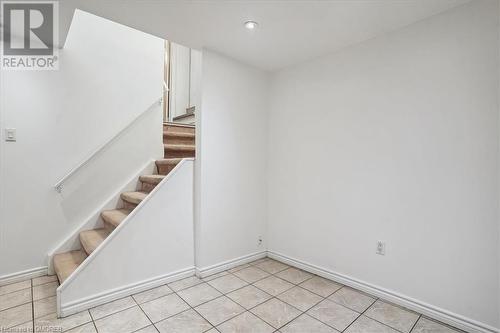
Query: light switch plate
(10,134)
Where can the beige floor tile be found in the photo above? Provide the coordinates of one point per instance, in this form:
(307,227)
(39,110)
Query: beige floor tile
(65,323)
(23,328)
(15,298)
(393,316)
(86,328)
(45,306)
(14,287)
(321,286)
(275,312)
(272,266)
(227,283)
(238,268)
(273,285)
(219,310)
(425,325)
(164,307)
(300,298)
(258,261)
(45,290)
(16,315)
(112,307)
(213,330)
(294,275)
(185,322)
(245,323)
(126,321)
(199,294)
(148,329)
(249,296)
(214,276)
(366,325)
(352,299)
(306,323)
(152,294)
(44,279)
(184,283)
(333,314)
(251,274)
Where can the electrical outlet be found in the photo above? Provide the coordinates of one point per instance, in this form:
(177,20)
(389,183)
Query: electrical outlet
(381,248)
(10,134)
(260,240)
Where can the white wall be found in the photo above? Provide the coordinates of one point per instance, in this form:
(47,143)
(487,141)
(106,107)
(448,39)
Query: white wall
(231,161)
(396,139)
(108,75)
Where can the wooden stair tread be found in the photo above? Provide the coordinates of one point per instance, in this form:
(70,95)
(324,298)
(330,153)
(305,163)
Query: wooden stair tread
(115,216)
(184,116)
(133,197)
(168,161)
(66,263)
(178,125)
(178,147)
(152,179)
(179,134)
(166,165)
(91,239)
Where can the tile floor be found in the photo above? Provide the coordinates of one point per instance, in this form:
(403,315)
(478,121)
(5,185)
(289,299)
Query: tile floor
(260,297)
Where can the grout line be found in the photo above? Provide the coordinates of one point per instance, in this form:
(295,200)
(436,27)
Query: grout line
(192,308)
(92,320)
(32,306)
(415,324)
(17,305)
(15,291)
(137,304)
(360,314)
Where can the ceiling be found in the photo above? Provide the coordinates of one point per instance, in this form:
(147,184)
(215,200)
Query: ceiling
(289,32)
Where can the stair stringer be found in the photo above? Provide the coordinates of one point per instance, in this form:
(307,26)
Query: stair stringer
(152,246)
(72,240)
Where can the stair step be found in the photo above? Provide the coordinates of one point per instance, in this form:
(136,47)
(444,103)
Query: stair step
(66,263)
(114,217)
(173,134)
(176,147)
(178,137)
(176,150)
(166,165)
(91,239)
(179,128)
(133,197)
(187,118)
(152,179)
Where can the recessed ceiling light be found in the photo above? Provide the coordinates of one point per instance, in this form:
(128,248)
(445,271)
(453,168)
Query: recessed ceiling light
(251,25)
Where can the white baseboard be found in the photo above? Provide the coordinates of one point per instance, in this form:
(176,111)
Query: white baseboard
(206,271)
(23,275)
(86,303)
(445,316)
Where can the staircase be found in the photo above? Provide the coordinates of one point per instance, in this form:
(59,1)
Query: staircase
(178,143)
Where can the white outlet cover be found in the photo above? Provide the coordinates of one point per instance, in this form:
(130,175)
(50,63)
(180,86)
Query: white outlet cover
(380,248)
(10,134)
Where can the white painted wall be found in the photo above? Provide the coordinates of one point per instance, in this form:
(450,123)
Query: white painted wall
(231,161)
(108,75)
(180,79)
(195,87)
(152,246)
(185,79)
(396,139)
